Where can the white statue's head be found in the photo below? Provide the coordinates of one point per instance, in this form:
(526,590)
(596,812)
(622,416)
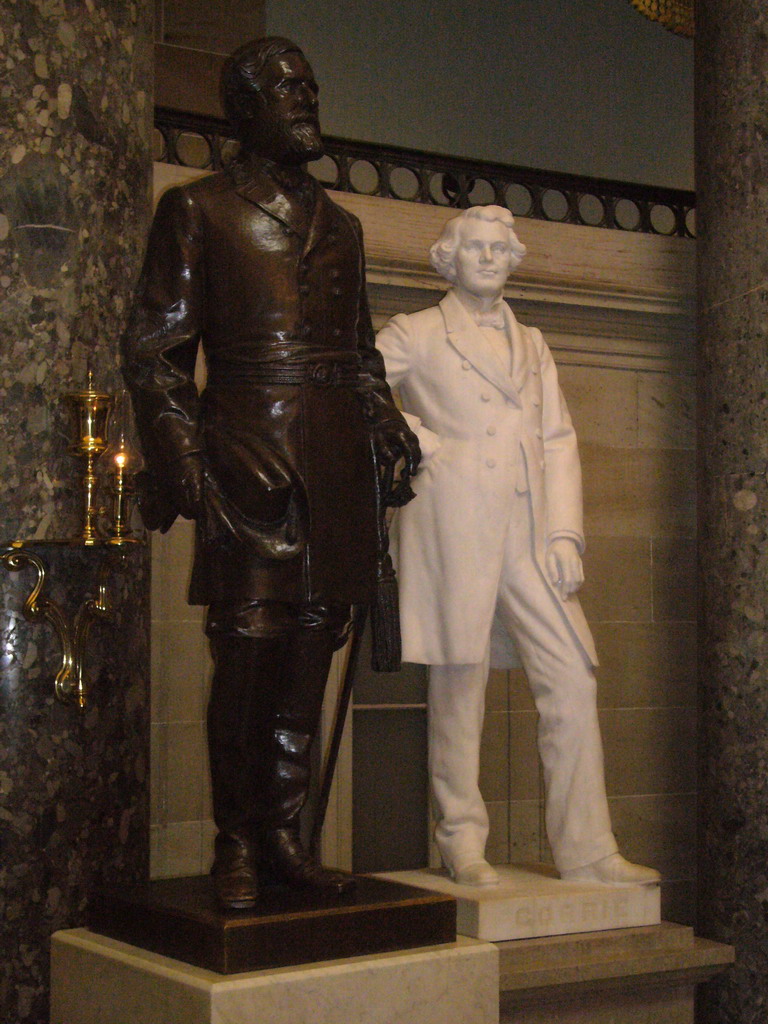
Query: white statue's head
(464,237)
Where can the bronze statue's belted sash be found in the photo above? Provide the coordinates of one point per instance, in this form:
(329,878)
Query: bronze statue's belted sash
(338,369)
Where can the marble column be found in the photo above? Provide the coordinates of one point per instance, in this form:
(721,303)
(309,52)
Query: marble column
(76,108)
(732,218)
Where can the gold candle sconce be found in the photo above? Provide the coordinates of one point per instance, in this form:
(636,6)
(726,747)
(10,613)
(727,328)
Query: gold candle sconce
(90,411)
(70,684)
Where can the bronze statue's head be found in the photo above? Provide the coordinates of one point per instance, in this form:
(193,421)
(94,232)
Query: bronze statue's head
(269,94)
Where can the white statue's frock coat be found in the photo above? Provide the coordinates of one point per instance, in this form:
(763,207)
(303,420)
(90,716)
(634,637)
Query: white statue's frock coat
(485,433)
(500,479)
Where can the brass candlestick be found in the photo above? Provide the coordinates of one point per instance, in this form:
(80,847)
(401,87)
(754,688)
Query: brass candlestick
(91,410)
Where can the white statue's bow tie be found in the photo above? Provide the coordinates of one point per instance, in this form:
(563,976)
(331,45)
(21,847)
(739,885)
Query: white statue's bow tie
(493,319)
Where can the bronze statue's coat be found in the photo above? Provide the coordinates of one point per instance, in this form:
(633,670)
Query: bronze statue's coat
(274,289)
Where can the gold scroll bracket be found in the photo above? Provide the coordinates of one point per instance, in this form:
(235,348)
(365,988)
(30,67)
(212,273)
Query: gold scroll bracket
(70,684)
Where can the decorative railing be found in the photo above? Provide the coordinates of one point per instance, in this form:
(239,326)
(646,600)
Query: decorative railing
(366,168)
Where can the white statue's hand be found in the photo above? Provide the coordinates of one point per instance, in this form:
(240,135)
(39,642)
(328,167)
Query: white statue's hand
(564,566)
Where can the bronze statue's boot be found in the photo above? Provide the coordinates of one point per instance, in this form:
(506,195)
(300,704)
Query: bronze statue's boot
(263,713)
(236,739)
(282,854)
(284,859)
(235,878)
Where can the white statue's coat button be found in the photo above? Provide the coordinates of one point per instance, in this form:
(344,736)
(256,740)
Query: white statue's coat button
(466,365)
(490,463)
(491,430)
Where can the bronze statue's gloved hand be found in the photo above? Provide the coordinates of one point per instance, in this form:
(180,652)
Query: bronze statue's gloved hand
(185,479)
(393,440)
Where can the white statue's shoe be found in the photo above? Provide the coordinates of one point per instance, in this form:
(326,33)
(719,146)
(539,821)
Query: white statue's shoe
(477,872)
(613,870)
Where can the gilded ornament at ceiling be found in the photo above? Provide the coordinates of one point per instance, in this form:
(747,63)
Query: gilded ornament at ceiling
(676,15)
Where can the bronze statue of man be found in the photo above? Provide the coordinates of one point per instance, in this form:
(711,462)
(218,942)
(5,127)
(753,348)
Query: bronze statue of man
(276,459)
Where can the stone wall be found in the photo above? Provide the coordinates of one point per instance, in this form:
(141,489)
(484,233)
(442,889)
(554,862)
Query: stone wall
(615,309)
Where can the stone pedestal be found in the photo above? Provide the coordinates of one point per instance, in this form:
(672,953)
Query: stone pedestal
(530,901)
(96,980)
(632,976)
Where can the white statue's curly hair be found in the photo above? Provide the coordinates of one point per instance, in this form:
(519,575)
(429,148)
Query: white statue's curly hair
(443,252)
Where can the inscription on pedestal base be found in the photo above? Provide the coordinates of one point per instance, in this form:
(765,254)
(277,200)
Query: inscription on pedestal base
(531,901)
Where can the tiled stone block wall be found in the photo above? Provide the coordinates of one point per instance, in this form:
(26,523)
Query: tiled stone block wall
(636,431)
(181,829)
(627,377)
(640,495)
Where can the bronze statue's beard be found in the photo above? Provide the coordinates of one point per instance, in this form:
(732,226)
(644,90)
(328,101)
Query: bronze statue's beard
(304,141)
(283,141)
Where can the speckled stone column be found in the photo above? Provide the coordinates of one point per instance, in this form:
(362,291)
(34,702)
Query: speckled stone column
(75,110)
(732,217)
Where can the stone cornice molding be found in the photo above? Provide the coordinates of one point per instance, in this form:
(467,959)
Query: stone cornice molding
(602,298)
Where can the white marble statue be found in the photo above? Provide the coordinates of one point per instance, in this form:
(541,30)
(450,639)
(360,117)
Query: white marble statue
(492,544)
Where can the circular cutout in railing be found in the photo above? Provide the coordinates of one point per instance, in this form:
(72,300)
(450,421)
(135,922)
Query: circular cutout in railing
(326,170)
(193,150)
(364,177)
(591,210)
(554,204)
(627,214)
(158,146)
(229,150)
(519,200)
(443,188)
(481,192)
(404,183)
(663,219)
(690,222)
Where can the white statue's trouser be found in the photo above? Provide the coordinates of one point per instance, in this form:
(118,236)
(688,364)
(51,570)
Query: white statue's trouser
(564,689)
